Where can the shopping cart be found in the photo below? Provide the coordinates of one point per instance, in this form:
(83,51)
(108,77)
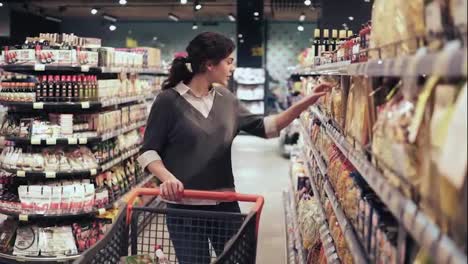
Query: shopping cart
(184,236)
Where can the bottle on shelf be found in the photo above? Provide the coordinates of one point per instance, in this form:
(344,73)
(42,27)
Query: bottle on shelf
(69,88)
(50,89)
(57,89)
(76,89)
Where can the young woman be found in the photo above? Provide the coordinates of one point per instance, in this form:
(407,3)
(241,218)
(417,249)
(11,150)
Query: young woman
(190,130)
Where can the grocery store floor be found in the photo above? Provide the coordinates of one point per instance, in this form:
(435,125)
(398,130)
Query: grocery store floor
(260,169)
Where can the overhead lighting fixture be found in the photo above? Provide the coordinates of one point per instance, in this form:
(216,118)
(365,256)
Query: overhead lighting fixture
(173,17)
(367,1)
(256,14)
(240,36)
(351,18)
(302,17)
(231,17)
(194,26)
(94,11)
(109,18)
(300,28)
(123,2)
(197,5)
(183,2)
(54,19)
(1,4)
(112,27)
(307,2)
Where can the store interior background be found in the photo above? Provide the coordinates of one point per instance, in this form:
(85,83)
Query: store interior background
(147,23)
(278,35)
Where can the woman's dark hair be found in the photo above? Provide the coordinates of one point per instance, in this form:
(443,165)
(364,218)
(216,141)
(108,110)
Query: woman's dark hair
(207,46)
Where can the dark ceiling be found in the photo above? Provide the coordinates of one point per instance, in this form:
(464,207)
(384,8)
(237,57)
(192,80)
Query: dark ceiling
(331,13)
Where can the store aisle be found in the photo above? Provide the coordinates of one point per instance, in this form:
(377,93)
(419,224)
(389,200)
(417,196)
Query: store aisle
(259,169)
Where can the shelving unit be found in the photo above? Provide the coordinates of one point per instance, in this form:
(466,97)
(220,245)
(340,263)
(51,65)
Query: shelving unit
(250,88)
(354,245)
(71,107)
(296,242)
(37,68)
(325,235)
(418,224)
(426,64)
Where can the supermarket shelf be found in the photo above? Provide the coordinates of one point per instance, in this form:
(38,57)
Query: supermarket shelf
(74,141)
(449,62)
(325,235)
(252,100)
(25,217)
(416,222)
(290,248)
(22,259)
(354,245)
(39,68)
(33,175)
(297,238)
(70,106)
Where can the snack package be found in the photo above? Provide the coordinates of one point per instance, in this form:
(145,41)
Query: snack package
(56,200)
(27,241)
(88,201)
(67,194)
(77,199)
(24,196)
(57,241)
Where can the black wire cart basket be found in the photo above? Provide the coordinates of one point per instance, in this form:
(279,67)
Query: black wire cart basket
(158,234)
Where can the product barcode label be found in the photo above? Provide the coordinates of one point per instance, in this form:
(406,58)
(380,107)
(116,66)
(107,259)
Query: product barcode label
(102,211)
(51,141)
(39,67)
(72,141)
(23,217)
(21,173)
(85,105)
(50,174)
(38,105)
(93,172)
(83,141)
(85,68)
(35,141)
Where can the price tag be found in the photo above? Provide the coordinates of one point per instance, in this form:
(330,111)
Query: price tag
(21,173)
(50,174)
(102,211)
(85,68)
(38,105)
(23,217)
(85,105)
(51,141)
(72,141)
(83,141)
(35,141)
(39,67)
(93,172)
(330,250)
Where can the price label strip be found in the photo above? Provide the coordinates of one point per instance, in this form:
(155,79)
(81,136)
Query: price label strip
(23,217)
(51,141)
(72,141)
(39,67)
(21,173)
(38,105)
(50,174)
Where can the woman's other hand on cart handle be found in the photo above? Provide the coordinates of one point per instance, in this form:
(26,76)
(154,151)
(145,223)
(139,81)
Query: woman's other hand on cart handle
(283,119)
(172,189)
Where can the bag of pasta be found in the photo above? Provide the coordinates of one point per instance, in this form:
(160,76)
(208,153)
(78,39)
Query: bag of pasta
(309,223)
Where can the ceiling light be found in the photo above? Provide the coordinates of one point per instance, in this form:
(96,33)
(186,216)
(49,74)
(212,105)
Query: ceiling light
(302,17)
(240,36)
(367,1)
(195,26)
(307,2)
(112,27)
(123,2)
(197,5)
(241,41)
(173,17)
(109,18)
(1,4)
(256,14)
(300,27)
(155,38)
(94,11)
(231,17)
(183,2)
(55,19)
(351,18)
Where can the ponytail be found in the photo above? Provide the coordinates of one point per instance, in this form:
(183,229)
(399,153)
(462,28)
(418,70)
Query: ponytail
(180,71)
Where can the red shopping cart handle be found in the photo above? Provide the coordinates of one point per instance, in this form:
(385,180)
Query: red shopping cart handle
(205,195)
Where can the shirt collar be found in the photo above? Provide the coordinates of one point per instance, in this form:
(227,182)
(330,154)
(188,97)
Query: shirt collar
(183,89)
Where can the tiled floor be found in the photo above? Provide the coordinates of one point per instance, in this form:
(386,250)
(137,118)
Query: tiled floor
(259,169)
